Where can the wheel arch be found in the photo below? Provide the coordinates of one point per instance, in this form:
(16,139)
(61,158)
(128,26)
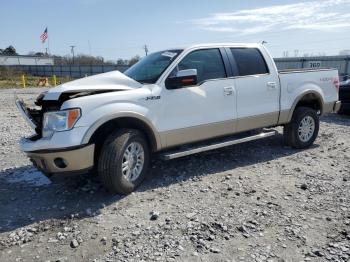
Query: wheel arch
(308,98)
(124,120)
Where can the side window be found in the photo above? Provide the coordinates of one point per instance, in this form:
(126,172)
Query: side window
(249,61)
(208,62)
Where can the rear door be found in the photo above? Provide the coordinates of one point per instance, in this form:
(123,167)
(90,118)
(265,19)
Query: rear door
(202,111)
(257,87)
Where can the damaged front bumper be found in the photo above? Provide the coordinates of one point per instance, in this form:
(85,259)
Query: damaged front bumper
(61,153)
(24,112)
(74,159)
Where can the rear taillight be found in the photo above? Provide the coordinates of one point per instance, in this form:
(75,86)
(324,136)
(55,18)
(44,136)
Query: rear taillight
(336,83)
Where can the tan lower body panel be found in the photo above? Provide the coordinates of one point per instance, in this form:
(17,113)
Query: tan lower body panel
(253,122)
(332,107)
(337,106)
(284,117)
(208,131)
(76,160)
(198,133)
(328,108)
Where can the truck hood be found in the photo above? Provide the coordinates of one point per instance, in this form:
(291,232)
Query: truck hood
(111,81)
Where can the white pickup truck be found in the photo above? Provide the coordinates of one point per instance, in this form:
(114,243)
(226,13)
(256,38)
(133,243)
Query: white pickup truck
(174,103)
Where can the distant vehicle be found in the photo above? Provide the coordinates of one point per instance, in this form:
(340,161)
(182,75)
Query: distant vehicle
(204,96)
(344,96)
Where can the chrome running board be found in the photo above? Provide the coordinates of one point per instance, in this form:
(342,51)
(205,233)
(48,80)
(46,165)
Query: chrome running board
(223,143)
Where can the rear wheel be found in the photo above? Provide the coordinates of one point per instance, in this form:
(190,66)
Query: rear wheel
(303,129)
(123,161)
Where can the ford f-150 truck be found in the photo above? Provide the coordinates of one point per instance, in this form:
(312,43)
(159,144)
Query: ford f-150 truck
(174,103)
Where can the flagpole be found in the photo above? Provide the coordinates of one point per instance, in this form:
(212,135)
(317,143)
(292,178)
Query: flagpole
(48,41)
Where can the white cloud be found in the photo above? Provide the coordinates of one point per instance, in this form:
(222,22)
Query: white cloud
(319,15)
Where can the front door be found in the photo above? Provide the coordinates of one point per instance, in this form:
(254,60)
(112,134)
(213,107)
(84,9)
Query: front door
(205,110)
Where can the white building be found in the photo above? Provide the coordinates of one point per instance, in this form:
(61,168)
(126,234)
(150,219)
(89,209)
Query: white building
(25,60)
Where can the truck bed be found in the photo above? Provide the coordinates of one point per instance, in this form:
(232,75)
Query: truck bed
(295,82)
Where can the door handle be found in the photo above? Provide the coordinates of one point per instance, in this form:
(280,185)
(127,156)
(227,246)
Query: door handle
(228,91)
(271,85)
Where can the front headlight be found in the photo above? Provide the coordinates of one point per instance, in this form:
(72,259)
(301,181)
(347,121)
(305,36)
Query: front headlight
(59,121)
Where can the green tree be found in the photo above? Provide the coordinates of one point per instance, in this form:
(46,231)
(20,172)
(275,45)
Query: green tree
(39,54)
(134,60)
(121,61)
(9,51)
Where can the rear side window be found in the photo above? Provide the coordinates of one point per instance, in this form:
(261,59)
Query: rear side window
(208,62)
(249,61)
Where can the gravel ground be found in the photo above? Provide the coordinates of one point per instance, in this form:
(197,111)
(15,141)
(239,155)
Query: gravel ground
(258,201)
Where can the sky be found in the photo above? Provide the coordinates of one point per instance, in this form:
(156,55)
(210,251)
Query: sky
(119,29)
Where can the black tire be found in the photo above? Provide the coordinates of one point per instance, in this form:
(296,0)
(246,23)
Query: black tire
(291,130)
(111,157)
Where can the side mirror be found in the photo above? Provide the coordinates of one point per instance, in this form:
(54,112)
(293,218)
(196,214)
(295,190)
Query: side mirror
(183,78)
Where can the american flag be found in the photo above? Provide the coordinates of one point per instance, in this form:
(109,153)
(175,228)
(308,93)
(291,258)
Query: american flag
(44,36)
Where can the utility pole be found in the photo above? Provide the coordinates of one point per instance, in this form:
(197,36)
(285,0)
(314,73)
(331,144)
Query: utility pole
(72,51)
(146,49)
(89,47)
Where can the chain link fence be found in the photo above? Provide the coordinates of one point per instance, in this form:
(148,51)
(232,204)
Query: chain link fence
(78,71)
(71,71)
(339,62)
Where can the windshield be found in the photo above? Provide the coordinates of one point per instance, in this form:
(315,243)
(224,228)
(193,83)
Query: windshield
(151,67)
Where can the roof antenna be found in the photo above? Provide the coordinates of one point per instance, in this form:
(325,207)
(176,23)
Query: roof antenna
(146,49)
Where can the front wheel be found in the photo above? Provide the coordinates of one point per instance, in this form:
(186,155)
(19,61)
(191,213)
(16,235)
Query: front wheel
(123,161)
(303,129)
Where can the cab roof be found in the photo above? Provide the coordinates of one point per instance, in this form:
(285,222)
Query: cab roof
(209,45)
